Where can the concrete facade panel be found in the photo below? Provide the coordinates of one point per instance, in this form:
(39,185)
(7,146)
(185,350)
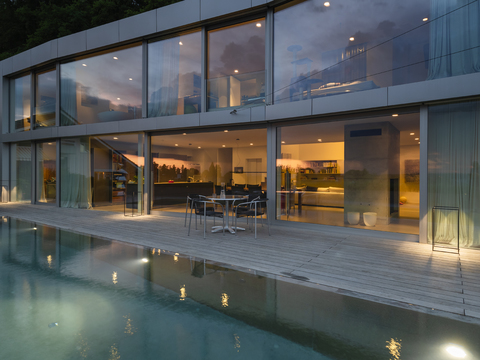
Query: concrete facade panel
(44,53)
(44,133)
(138,25)
(16,137)
(289,110)
(137,125)
(76,130)
(71,44)
(178,121)
(103,35)
(7,66)
(258,2)
(224,117)
(258,113)
(213,8)
(22,61)
(103,128)
(353,101)
(178,14)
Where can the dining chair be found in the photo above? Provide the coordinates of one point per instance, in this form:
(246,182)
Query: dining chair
(255,207)
(204,207)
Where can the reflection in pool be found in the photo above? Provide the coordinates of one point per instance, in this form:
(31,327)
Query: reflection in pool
(70,296)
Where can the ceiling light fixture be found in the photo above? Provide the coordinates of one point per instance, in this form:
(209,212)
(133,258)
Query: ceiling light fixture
(258,25)
(283,142)
(326,3)
(320,140)
(352,38)
(417,139)
(115,138)
(115,58)
(176,144)
(236,71)
(145,260)
(225,130)
(425,19)
(184,133)
(84,64)
(412,134)
(223,145)
(180,43)
(118,98)
(199,147)
(394,115)
(251,143)
(130,79)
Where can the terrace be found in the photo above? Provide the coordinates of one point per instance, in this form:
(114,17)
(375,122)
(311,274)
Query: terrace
(399,273)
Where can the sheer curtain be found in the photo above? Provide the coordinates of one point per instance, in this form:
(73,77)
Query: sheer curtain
(454,171)
(76,190)
(451,36)
(163,77)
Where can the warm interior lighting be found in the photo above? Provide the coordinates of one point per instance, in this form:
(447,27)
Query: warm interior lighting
(183,293)
(115,58)
(320,140)
(456,351)
(417,139)
(412,133)
(225,130)
(283,142)
(118,98)
(115,138)
(180,43)
(114,277)
(394,115)
(223,145)
(225,298)
(84,64)
(199,147)
(184,134)
(326,3)
(425,19)
(49,143)
(145,260)
(251,143)
(176,144)
(258,25)
(352,38)
(419,143)
(236,71)
(130,79)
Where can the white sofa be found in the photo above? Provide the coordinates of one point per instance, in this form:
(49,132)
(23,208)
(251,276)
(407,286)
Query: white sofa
(324,196)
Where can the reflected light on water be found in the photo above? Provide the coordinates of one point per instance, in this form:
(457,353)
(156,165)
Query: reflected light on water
(114,277)
(394,346)
(49,261)
(183,293)
(175,257)
(114,355)
(153,251)
(456,351)
(129,329)
(159,251)
(225,298)
(237,342)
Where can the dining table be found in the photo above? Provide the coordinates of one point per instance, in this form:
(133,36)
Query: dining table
(227,200)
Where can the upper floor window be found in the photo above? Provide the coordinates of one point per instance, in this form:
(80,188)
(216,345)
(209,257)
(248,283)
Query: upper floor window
(20,98)
(236,65)
(174,75)
(327,48)
(45,98)
(101,88)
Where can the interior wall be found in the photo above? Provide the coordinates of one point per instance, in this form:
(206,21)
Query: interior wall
(240,156)
(411,190)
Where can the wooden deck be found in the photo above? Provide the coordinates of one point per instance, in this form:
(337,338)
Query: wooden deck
(399,273)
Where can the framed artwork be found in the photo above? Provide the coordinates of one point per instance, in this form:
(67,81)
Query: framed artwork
(412,171)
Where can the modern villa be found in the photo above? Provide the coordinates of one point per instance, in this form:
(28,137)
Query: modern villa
(350,116)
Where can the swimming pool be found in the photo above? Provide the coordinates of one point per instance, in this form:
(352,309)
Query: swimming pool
(65,295)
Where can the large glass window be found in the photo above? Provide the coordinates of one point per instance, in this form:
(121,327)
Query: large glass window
(236,65)
(46,172)
(45,98)
(21,172)
(199,163)
(174,75)
(357,173)
(20,91)
(454,174)
(103,172)
(101,88)
(326,48)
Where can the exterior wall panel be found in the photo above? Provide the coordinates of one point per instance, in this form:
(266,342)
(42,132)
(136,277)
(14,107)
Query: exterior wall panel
(214,8)
(178,14)
(72,44)
(45,52)
(103,35)
(138,25)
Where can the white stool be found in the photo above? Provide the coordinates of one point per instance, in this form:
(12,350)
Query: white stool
(370,218)
(353,217)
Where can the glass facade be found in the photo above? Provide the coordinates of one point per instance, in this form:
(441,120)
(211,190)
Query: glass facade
(20,96)
(454,174)
(21,172)
(46,174)
(103,172)
(174,75)
(45,98)
(236,66)
(102,88)
(356,173)
(327,48)
(199,163)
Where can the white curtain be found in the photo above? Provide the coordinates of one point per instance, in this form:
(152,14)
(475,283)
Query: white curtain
(163,77)
(40,178)
(454,172)
(450,37)
(68,95)
(76,190)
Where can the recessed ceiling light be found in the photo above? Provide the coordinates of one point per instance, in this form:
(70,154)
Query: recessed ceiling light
(425,19)
(251,143)
(115,138)
(417,139)
(176,144)
(223,145)
(419,142)
(130,79)
(145,260)
(320,140)
(394,115)
(352,38)
(283,142)
(118,98)
(347,90)
(199,147)
(412,134)
(180,43)
(49,143)
(84,64)
(326,3)
(225,130)
(236,71)
(115,58)
(258,25)
(184,133)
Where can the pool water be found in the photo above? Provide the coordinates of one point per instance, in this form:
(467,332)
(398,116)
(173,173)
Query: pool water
(70,296)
